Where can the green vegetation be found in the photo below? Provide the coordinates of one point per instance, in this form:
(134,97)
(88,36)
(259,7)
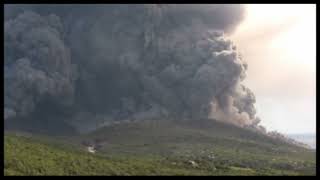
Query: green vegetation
(157,148)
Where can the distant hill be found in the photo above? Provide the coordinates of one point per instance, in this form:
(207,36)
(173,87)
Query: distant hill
(202,147)
(307,138)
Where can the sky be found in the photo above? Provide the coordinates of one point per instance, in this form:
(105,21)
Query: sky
(279,44)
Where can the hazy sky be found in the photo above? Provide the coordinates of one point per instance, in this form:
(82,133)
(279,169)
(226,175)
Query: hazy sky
(279,44)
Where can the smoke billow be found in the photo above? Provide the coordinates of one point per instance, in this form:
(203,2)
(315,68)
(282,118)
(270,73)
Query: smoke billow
(118,62)
(37,64)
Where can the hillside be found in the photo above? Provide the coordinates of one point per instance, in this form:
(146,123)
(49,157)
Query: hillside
(157,148)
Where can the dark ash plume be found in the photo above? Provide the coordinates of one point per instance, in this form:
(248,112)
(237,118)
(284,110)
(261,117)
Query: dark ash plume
(37,64)
(118,62)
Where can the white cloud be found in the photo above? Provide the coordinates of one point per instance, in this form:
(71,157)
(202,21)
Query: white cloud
(278,42)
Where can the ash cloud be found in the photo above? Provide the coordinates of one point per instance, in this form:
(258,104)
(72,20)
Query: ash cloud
(120,62)
(37,64)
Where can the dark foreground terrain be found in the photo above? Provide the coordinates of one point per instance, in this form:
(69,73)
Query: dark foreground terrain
(156,148)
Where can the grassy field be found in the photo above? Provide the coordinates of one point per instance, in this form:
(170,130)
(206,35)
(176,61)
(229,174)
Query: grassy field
(157,148)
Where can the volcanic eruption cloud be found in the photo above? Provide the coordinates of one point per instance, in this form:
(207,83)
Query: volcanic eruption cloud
(81,64)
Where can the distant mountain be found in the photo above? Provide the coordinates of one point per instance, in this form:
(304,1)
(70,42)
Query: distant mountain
(307,138)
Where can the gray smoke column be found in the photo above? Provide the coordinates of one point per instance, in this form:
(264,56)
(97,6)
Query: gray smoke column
(118,62)
(37,64)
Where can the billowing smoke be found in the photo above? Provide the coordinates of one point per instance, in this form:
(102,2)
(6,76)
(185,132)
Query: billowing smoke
(118,62)
(37,64)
